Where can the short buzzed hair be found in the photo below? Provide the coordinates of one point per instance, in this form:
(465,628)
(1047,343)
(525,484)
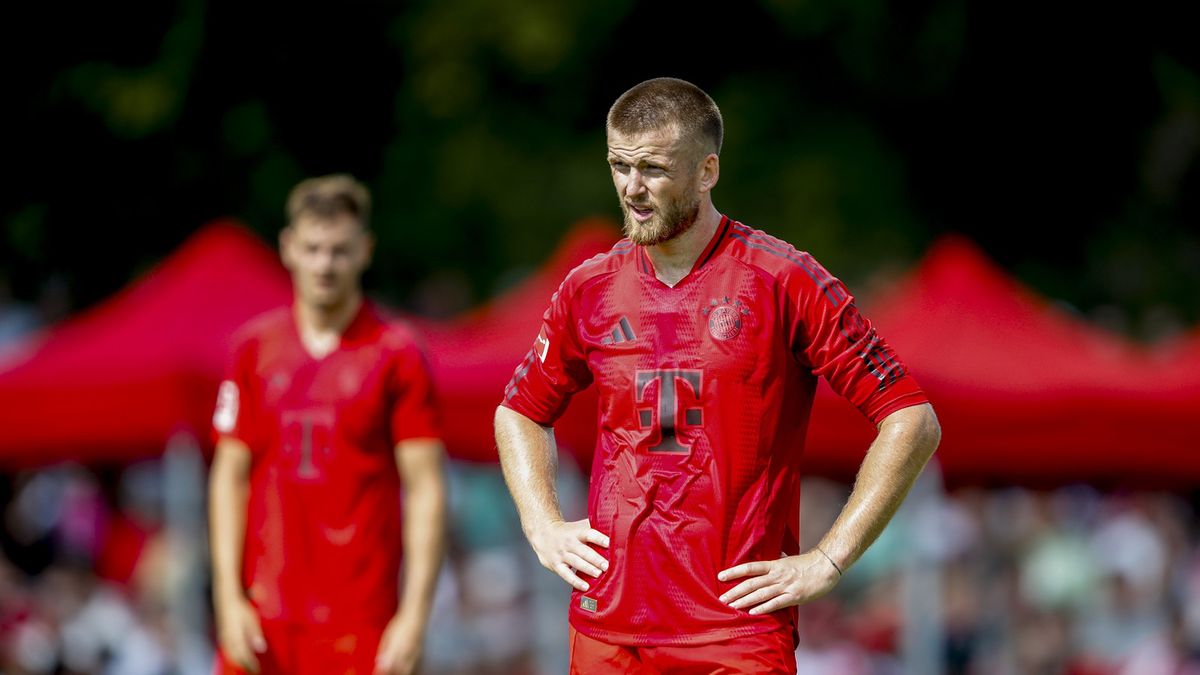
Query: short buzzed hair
(664,102)
(328,197)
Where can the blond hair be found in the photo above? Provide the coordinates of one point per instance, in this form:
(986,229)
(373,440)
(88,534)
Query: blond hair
(328,197)
(669,102)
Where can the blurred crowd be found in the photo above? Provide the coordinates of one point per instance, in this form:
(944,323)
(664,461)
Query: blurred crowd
(1070,580)
(1017,581)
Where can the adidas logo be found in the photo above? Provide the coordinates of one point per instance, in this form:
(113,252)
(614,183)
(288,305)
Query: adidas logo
(622,333)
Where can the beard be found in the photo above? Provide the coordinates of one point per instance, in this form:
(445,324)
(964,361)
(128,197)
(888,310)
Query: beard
(671,220)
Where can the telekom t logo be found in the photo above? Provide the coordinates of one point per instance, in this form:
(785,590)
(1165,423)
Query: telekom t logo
(678,391)
(306,439)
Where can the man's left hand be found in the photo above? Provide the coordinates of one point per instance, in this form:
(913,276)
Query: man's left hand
(399,648)
(774,584)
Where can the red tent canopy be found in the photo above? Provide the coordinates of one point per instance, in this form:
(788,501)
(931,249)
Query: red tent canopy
(1026,392)
(116,382)
(474,357)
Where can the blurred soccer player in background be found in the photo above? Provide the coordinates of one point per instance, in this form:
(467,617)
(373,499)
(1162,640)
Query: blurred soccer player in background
(705,339)
(326,415)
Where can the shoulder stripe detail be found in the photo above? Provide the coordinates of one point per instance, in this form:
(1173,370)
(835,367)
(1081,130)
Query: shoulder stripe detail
(881,362)
(620,248)
(763,237)
(824,281)
(521,372)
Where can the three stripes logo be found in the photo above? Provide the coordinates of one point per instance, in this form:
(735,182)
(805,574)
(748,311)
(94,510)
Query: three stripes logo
(623,332)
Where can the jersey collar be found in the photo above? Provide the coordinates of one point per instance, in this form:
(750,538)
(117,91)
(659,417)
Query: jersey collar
(709,252)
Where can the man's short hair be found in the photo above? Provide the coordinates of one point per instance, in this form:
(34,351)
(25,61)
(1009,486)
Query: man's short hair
(664,102)
(328,197)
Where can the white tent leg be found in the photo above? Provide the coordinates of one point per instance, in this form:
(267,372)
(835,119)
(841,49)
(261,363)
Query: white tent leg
(923,639)
(184,474)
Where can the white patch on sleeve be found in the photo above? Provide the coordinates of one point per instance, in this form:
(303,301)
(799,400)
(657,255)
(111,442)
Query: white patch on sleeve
(542,345)
(225,416)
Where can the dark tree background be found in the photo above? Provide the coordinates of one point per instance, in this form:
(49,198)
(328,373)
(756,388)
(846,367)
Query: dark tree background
(1064,139)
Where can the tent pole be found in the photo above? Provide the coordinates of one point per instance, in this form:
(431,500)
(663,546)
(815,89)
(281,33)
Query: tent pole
(923,636)
(187,541)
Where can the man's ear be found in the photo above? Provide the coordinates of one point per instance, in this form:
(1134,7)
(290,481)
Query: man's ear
(285,241)
(710,172)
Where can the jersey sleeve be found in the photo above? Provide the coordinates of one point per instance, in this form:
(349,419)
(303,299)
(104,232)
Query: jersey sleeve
(414,411)
(830,335)
(553,370)
(235,396)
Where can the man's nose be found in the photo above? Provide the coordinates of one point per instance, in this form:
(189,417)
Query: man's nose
(635,185)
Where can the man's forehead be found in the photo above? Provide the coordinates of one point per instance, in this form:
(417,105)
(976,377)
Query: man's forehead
(311,223)
(664,140)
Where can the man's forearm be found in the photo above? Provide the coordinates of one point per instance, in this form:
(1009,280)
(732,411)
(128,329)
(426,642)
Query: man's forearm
(906,440)
(529,460)
(424,529)
(228,492)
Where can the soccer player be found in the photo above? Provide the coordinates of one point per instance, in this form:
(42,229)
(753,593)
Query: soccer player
(327,414)
(705,339)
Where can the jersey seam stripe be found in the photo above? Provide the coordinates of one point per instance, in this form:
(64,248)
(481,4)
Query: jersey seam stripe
(806,260)
(882,363)
(620,248)
(717,244)
(522,371)
(824,285)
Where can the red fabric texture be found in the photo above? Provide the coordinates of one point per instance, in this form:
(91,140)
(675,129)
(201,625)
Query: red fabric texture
(705,390)
(323,527)
(766,653)
(308,650)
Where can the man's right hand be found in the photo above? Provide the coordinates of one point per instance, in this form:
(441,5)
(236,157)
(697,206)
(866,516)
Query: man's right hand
(562,547)
(240,633)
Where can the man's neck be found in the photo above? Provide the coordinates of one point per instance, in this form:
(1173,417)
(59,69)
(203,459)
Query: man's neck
(673,259)
(321,328)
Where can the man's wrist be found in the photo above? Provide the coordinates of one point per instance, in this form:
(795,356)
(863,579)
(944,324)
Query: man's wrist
(832,562)
(541,525)
(413,619)
(225,592)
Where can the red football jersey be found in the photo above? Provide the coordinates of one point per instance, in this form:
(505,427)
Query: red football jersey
(705,391)
(323,521)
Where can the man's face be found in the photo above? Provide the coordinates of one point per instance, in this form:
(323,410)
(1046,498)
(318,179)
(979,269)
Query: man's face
(657,182)
(326,257)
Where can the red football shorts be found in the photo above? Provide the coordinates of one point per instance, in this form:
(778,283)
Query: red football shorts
(312,650)
(772,652)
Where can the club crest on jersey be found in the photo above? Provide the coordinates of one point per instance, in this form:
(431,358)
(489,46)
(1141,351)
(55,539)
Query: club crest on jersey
(725,317)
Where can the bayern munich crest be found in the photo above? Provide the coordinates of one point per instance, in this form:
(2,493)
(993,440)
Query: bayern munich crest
(725,317)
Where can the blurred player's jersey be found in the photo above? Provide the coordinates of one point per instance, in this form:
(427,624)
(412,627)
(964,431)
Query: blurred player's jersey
(705,391)
(323,521)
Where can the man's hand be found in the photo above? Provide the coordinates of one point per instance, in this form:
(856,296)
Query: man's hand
(562,547)
(239,632)
(775,584)
(399,648)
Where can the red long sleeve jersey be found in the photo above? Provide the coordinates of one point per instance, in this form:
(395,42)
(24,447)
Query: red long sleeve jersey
(705,391)
(323,529)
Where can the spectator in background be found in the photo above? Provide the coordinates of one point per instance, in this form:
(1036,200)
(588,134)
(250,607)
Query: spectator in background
(327,412)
